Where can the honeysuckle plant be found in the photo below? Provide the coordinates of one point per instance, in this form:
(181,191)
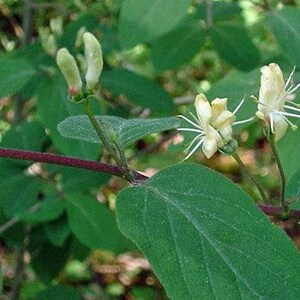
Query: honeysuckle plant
(204,237)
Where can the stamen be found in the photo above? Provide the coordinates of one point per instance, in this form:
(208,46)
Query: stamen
(194,150)
(254,98)
(293,126)
(192,143)
(292,108)
(239,106)
(294,89)
(287,114)
(243,121)
(290,78)
(293,103)
(193,116)
(190,129)
(271,123)
(189,121)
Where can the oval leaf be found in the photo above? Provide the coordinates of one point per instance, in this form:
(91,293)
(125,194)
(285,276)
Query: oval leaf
(235,46)
(288,148)
(127,131)
(141,21)
(286,27)
(14,74)
(177,47)
(91,222)
(205,239)
(137,89)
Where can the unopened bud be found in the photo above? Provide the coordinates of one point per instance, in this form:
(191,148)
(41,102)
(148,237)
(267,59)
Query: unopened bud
(56,25)
(230,148)
(94,60)
(79,37)
(51,47)
(68,67)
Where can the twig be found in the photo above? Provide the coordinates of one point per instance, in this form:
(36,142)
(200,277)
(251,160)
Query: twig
(19,270)
(27,22)
(209,17)
(250,177)
(68,161)
(276,211)
(281,172)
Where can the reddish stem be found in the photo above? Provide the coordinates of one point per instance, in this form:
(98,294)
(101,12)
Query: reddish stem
(67,161)
(104,168)
(276,211)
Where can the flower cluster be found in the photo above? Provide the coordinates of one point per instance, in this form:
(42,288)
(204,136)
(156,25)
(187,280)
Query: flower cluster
(213,123)
(274,93)
(70,70)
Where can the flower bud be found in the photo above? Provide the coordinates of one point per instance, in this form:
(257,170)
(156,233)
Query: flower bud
(68,67)
(56,25)
(93,56)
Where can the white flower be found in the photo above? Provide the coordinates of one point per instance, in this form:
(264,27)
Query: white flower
(273,95)
(213,125)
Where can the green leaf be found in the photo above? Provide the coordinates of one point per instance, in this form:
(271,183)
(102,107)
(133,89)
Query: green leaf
(205,239)
(288,148)
(149,19)
(220,10)
(293,189)
(58,292)
(18,193)
(286,27)
(235,46)
(47,260)
(53,106)
(73,180)
(58,231)
(138,90)
(14,74)
(25,136)
(126,131)
(50,209)
(91,222)
(177,47)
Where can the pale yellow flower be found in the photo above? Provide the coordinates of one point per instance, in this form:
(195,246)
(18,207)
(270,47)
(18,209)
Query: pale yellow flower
(213,125)
(273,95)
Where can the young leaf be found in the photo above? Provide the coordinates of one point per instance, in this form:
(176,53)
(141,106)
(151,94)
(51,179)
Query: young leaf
(205,239)
(139,90)
(235,46)
(149,19)
(127,131)
(286,28)
(14,74)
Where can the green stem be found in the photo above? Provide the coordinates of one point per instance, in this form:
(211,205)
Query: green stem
(251,177)
(120,161)
(271,141)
